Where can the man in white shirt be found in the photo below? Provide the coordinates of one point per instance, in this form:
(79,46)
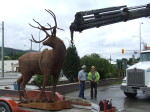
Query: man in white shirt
(82,78)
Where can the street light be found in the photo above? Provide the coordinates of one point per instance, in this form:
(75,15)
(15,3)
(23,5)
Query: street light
(142,40)
(39,39)
(2,49)
(31,44)
(140,35)
(26,47)
(40,48)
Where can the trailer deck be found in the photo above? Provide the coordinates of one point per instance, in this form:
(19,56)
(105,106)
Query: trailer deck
(25,109)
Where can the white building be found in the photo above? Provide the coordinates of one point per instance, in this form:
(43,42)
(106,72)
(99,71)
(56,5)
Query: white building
(10,65)
(113,62)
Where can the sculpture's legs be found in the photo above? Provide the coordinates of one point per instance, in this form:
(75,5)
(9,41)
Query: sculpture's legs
(25,81)
(55,80)
(19,81)
(43,96)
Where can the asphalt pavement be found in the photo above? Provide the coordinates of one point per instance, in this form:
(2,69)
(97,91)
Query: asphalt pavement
(10,78)
(123,104)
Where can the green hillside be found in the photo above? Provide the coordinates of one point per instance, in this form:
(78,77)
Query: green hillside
(11,52)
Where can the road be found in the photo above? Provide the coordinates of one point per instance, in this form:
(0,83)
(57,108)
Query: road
(123,104)
(10,78)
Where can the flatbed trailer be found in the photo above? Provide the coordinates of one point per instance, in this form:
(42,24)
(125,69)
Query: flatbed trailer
(10,104)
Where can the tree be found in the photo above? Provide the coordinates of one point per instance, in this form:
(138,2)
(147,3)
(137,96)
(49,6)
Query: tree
(38,81)
(16,56)
(72,64)
(130,61)
(102,65)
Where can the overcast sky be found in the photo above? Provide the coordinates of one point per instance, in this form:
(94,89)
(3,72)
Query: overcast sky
(105,40)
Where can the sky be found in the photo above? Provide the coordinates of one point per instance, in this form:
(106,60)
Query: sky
(107,40)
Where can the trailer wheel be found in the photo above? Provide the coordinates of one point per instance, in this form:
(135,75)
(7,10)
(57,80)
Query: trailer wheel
(4,107)
(131,95)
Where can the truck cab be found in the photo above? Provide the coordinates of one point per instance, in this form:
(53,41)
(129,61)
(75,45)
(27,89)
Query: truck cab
(138,76)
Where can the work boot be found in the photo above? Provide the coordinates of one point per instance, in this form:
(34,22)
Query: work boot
(84,98)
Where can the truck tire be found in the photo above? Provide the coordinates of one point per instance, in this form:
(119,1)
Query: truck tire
(4,107)
(131,95)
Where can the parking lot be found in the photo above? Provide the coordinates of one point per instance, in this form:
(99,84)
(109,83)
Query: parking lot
(123,104)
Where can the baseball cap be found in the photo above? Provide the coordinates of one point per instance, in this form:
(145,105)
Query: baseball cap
(93,67)
(83,66)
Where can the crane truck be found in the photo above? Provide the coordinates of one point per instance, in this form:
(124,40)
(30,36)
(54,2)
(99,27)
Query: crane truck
(137,76)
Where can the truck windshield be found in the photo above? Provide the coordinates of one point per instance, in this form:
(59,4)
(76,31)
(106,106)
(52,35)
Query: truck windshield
(145,57)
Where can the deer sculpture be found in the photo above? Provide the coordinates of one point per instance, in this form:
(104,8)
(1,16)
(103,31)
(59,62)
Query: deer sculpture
(46,63)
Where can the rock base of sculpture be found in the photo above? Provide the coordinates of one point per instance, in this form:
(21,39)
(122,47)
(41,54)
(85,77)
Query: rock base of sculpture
(59,105)
(33,97)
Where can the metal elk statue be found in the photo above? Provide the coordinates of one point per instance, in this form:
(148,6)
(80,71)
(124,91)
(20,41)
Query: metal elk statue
(46,63)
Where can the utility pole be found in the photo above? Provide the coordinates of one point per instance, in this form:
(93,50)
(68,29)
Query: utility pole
(2,49)
(39,39)
(31,44)
(140,36)
(110,59)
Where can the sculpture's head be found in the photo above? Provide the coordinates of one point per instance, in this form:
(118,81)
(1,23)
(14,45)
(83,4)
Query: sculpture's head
(49,40)
(52,40)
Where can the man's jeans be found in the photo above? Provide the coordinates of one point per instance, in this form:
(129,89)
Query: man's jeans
(94,85)
(81,93)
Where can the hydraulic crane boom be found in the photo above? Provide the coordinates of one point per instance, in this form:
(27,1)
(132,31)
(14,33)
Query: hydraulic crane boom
(101,17)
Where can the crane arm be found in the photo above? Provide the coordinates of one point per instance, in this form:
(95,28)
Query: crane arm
(101,17)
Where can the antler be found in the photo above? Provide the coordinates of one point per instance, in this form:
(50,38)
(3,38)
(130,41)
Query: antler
(40,40)
(41,27)
(50,12)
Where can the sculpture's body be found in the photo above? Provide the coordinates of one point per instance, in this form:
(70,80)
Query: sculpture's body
(45,63)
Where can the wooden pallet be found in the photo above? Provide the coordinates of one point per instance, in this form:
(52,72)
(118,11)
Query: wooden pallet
(48,106)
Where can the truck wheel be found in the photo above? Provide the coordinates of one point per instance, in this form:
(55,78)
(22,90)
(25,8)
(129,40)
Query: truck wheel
(131,95)
(4,107)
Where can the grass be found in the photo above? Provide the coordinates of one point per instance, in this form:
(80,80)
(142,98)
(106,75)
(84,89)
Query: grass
(114,83)
(117,82)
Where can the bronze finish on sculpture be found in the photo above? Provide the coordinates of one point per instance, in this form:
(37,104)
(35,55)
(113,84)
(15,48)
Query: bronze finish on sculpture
(46,63)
